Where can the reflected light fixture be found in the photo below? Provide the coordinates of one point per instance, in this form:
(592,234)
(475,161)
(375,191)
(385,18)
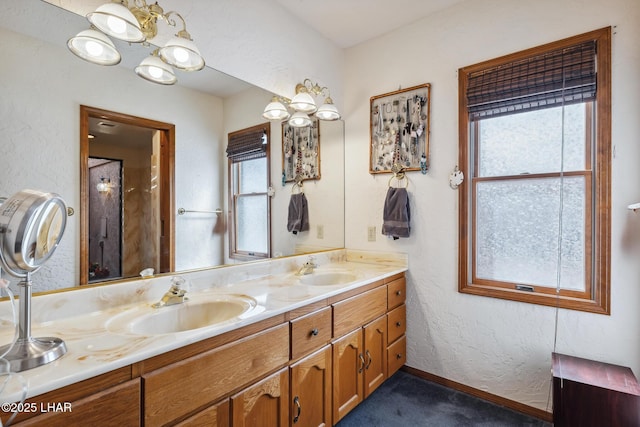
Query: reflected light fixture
(134,21)
(302,104)
(104,185)
(155,70)
(94,46)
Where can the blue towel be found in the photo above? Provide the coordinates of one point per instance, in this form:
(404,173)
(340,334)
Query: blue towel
(396,215)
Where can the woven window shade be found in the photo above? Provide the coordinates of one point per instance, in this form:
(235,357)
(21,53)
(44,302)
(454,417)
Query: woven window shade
(562,76)
(247,145)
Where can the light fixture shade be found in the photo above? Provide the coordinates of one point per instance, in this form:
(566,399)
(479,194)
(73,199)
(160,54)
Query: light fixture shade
(182,53)
(328,111)
(275,110)
(153,69)
(300,120)
(117,21)
(95,47)
(303,102)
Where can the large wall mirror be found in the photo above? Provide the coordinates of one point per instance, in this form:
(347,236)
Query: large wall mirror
(43,89)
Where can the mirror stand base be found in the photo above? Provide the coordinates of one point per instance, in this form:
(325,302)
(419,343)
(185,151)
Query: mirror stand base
(33,352)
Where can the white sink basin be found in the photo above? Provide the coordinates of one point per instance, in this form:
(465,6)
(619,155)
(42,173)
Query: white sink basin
(190,315)
(327,278)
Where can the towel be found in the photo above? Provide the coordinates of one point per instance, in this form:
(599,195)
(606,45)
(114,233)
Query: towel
(298,219)
(396,215)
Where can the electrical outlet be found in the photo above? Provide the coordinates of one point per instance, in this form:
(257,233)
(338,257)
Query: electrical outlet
(320,231)
(371,233)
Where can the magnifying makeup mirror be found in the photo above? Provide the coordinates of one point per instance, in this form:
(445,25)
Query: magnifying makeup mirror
(31,226)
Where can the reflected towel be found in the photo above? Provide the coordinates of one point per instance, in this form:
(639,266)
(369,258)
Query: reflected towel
(396,215)
(298,219)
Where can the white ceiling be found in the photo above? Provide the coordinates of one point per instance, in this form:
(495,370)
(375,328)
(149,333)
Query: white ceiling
(350,22)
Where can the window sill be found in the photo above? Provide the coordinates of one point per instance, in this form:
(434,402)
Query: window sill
(550,300)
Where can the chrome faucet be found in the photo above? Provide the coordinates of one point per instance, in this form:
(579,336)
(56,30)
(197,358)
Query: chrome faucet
(175,294)
(307,267)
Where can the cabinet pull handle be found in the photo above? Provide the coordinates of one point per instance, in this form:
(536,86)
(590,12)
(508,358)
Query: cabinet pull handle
(398,293)
(368,361)
(296,401)
(399,356)
(398,324)
(363,363)
(315,332)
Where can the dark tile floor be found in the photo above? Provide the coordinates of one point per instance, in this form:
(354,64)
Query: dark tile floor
(405,400)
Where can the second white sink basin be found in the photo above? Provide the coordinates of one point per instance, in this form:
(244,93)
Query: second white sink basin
(183,317)
(328,278)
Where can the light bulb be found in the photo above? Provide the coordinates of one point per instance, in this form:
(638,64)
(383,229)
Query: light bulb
(94,49)
(116,25)
(155,72)
(181,55)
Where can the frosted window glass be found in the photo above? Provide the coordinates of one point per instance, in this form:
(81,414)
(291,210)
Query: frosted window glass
(531,142)
(517,232)
(252,223)
(253,176)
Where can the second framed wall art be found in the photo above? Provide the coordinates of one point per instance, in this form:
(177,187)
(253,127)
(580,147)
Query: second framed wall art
(399,130)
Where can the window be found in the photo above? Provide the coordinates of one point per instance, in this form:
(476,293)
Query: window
(250,204)
(535,138)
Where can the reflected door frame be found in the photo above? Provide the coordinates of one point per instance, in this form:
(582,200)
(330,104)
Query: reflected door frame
(167,184)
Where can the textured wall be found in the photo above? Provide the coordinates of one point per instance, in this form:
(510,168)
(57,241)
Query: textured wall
(494,345)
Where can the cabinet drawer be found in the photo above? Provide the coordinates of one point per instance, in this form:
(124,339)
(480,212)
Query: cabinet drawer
(178,389)
(396,323)
(115,406)
(396,292)
(396,355)
(354,312)
(310,332)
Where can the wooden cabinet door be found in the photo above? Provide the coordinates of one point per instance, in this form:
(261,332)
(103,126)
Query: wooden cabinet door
(311,390)
(348,370)
(264,404)
(214,416)
(375,354)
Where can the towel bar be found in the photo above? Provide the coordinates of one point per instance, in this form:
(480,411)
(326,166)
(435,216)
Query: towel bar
(182,211)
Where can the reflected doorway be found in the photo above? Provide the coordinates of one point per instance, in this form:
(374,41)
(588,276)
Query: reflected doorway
(127,195)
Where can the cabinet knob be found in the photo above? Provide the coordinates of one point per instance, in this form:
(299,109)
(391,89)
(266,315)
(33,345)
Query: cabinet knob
(315,332)
(399,356)
(398,293)
(398,324)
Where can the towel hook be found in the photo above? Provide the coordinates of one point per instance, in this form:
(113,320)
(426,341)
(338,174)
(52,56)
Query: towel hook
(399,174)
(298,183)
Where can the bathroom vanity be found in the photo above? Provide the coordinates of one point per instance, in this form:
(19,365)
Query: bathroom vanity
(307,354)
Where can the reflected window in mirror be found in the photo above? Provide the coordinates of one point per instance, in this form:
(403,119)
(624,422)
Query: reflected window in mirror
(249,200)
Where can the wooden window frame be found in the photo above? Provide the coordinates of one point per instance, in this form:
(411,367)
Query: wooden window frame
(597,297)
(234,253)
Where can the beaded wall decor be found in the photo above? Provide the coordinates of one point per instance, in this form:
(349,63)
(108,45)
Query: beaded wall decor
(300,152)
(399,130)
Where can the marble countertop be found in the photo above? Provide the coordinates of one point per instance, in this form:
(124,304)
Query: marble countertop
(97,344)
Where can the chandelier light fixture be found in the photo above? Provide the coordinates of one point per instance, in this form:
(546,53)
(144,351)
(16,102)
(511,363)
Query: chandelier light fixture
(302,104)
(135,21)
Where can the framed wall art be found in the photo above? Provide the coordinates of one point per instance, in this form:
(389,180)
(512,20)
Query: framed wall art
(300,152)
(399,130)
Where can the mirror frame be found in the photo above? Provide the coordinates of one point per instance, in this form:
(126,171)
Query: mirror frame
(166,183)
